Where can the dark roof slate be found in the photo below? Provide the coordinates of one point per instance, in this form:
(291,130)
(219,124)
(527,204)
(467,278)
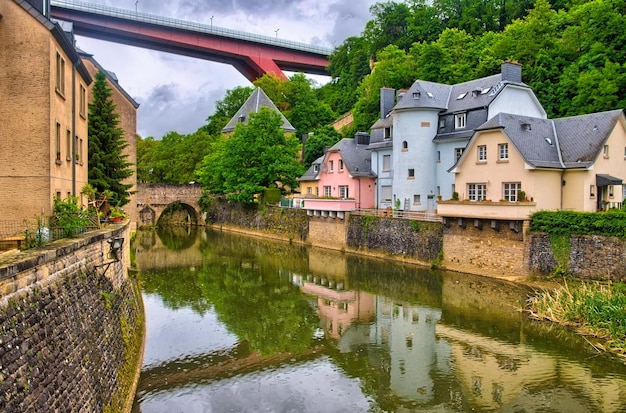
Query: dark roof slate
(310,174)
(582,137)
(356,158)
(255,102)
(565,143)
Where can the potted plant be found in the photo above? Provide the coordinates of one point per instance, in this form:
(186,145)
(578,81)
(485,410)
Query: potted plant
(116,214)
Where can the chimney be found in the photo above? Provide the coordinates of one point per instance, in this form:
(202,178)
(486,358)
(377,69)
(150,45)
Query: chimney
(362,138)
(42,6)
(387,101)
(511,71)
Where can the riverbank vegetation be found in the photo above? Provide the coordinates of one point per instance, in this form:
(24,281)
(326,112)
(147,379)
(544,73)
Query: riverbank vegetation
(592,308)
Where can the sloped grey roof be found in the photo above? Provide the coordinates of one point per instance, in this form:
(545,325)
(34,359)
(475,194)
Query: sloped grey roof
(356,158)
(110,75)
(310,174)
(475,93)
(255,102)
(534,138)
(423,94)
(582,137)
(578,139)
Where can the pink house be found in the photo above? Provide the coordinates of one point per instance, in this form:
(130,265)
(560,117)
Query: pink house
(341,180)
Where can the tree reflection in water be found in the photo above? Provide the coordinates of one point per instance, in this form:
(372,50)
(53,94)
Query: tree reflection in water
(410,339)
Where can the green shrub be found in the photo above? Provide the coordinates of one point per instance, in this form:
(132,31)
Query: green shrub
(69,217)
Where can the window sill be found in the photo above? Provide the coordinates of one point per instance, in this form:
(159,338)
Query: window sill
(481,162)
(58,162)
(502,161)
(59,92)
(411,178)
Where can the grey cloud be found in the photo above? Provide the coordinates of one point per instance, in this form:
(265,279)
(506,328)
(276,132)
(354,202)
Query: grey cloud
(164,111)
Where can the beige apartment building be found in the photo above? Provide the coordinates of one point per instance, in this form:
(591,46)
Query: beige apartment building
(43,113)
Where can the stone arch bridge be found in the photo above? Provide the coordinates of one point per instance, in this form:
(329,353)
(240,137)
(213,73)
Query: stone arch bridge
(154,199)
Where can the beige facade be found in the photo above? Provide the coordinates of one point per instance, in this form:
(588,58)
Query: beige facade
(570,188)
(126,108)
(43,139)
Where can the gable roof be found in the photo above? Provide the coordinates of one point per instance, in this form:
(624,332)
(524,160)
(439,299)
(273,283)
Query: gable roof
(356,158)
(460,97)
(566,143)
(110,75)
(582,138)
(255,102)
(311,174)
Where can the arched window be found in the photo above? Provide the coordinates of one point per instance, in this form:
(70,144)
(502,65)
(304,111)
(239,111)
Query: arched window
(405,145)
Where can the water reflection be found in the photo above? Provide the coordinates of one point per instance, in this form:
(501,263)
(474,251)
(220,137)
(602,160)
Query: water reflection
(243,324)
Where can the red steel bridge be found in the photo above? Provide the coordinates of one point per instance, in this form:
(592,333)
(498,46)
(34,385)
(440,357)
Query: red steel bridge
(253,55)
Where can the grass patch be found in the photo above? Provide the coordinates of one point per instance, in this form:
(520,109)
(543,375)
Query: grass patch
(591,308)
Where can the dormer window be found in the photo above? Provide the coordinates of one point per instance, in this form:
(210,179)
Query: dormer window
(416,95)
(388,132)
(460,120)
(241,118)
(316,168)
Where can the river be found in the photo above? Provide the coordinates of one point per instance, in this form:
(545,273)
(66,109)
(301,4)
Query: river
(243,324)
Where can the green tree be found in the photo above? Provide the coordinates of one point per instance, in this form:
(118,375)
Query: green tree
(314,147)
(146,148)
(108,165)
(177,157)
(257,155)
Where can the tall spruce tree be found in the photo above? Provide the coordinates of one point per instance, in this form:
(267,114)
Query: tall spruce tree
(108,165)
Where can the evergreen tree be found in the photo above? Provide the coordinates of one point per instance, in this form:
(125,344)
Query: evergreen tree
(108,165)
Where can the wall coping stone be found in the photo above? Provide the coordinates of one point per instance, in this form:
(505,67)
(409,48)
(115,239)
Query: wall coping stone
(15,263)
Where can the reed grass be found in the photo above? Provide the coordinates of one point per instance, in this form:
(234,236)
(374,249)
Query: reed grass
(592,308)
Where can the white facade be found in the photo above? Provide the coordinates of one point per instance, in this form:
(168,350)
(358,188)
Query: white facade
(415,159)
(516,100)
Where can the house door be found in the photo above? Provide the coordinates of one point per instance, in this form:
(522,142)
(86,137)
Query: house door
(430,205)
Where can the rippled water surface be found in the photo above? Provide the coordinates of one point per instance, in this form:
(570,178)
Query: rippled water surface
(241,324)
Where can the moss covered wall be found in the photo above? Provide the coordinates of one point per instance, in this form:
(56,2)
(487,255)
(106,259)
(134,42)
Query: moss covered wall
(71,334)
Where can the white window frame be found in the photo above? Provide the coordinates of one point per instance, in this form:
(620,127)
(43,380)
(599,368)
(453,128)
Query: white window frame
(481,151)
(417,199)
(327,190)
(344,191)
(510,191)
(503,151)
(477,191)
(331,166)
(460,120)
(340,165)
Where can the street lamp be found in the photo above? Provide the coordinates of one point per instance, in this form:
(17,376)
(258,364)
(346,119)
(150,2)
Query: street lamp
(212,22)
(276,31)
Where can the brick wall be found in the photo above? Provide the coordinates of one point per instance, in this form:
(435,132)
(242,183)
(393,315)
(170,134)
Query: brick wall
(484,250)
(327,232)
(71,330)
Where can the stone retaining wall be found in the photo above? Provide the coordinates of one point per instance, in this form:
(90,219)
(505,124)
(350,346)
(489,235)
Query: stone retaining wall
(590,256)
(421,241)
(71,329)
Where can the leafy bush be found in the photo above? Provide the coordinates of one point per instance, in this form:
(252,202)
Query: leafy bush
(612,223)
(69,217)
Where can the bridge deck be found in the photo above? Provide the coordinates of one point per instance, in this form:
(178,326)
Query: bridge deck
(252,54)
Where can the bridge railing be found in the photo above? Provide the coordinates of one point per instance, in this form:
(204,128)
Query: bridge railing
(188,25)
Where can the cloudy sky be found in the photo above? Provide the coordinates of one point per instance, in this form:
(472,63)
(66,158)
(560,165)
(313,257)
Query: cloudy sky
(178,93)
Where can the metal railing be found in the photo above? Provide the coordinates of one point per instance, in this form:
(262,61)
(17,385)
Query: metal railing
(188,25)
(390,213)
